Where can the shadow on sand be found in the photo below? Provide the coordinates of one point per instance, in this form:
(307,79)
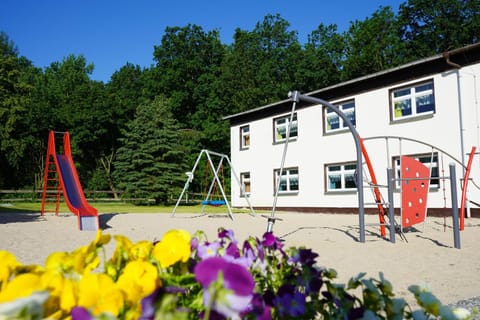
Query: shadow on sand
(11,215)
(104,219)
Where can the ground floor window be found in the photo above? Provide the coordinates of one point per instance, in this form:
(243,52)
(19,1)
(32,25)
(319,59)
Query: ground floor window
(340,177)
(245,183)
(430,160)
(288,180)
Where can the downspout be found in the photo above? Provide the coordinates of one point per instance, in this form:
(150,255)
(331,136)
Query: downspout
(457,67)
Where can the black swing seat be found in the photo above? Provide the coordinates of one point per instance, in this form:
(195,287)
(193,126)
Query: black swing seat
(214,203)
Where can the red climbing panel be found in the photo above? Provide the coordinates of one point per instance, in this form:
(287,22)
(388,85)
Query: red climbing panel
(414,191)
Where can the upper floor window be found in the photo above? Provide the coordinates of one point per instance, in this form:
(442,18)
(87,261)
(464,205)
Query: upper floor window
(341,177)
(288,180)
(280,128)
(333,122)
(430,160)
(245,137)
(245,183)
(412,101)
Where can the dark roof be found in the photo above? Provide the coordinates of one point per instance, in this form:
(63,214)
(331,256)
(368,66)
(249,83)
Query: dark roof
(439,63)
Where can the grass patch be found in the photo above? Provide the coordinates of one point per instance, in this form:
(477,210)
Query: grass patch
(119,207)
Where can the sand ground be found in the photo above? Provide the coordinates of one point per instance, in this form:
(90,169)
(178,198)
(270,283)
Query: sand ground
(428,258)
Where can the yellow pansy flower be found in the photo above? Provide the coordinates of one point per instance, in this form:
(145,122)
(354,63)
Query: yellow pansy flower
(21,286)
(9,262)
(98,293)
(139,279)
(101,239)
(69,295)
(53,281)
(122,249)
(58,261)
(174,247)
(141,250)
(84,259)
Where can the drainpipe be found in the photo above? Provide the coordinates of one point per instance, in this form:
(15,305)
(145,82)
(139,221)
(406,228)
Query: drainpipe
(457,67)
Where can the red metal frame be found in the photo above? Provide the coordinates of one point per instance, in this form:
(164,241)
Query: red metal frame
(376,191)
(464,188)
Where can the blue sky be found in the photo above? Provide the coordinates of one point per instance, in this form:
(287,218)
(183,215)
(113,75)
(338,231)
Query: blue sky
(110,33)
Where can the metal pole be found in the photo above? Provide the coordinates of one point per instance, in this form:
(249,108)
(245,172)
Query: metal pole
(230,214)
(361,209)
(453,189)
(190,176)
(271,219)
(391,206)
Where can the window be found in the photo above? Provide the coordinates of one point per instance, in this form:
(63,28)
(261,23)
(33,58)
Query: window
(341,177)
(430,160)
(413,101)
(245,183)
(281,127)
(288,181)
(244,137)
(333,122)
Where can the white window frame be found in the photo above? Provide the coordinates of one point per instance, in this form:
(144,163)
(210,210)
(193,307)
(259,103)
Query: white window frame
(344,173)
(290,176)
(244,182)
(348,108)
(280,127)
(411,98)
(245,137)
(425,159)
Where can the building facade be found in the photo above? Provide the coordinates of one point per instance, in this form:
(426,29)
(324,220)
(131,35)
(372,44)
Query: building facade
(428,109)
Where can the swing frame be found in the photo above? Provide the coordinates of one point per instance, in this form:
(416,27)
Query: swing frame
(215,181)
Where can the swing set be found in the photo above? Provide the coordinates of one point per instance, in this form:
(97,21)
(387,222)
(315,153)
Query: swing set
(212,198)
(215,196)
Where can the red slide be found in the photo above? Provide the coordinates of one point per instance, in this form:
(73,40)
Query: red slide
(70,184)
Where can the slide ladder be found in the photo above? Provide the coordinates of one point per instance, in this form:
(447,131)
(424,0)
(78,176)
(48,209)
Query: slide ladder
(52,189)
(60,177)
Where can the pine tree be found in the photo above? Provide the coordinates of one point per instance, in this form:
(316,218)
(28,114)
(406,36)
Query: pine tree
(150,162)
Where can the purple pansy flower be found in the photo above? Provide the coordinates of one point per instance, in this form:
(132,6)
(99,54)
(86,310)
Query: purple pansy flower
(270,241)
(229,284)
(227,234)
(289,302)
(304,256)
(148,305)
(80,313)
(232,250)
(259,309)
(208,250)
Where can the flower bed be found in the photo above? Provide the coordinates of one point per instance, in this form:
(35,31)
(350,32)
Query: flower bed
(189,277)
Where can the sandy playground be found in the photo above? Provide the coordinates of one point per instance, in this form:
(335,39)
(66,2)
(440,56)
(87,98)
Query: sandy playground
(428,258)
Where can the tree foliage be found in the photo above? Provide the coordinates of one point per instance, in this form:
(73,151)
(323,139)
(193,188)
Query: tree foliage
(149,163)
(434,27)
(373,45)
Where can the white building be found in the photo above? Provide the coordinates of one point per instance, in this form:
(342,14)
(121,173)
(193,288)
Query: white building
(433,100)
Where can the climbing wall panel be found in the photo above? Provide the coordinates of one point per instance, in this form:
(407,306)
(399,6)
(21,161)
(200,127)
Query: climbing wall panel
(415,185)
